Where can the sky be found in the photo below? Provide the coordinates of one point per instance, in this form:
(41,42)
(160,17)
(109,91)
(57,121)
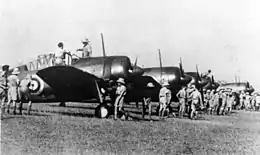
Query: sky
(221,35)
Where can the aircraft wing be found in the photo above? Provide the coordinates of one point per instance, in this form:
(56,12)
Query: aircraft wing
(68,83)
(138,88)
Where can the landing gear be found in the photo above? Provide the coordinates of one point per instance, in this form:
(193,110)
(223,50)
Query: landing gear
(103,111)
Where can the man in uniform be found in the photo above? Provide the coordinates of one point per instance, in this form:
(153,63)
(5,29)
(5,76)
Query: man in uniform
(3,91)
(224,102)
(147,99)
(247,101)
(206,99)
(13,83)
(60,54)
(196,100)
(213,102)
(242,98)
(86,50)
(120,95)
(257,102)
(164,97)
(182,96)
(24,92)
(230,102)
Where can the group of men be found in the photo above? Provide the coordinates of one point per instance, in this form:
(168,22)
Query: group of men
(190,99)
(14,91)
(248,102)
(61,52)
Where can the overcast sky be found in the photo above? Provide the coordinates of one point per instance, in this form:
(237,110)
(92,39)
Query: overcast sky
(222,35)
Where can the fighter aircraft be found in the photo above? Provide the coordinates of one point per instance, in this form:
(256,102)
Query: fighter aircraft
(87,78)
(237,87)
(157,75)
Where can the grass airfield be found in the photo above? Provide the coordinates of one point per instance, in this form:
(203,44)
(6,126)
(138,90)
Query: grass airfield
(51,129)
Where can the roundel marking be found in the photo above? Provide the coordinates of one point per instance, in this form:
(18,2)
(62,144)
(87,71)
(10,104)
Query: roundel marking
(36,85)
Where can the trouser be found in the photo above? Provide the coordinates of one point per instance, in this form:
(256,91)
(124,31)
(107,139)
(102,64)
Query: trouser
(222,108)
(13,96)
(162,106)
(147,103)
(118,105)
(193,112)
(228,110)
(3,102)
(257,108)
(181,107)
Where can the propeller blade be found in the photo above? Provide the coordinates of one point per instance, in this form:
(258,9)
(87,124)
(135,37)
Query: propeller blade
(199,76)
(103,45)
(181,68)
(160,60)
(213,80)
(136,59)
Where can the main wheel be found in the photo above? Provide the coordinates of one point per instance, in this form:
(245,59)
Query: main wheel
(102,111)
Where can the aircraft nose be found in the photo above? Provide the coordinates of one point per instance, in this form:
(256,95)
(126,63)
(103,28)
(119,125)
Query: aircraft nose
(203,82)
(137,71)
(185,79)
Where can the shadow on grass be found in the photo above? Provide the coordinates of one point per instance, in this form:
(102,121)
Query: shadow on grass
(73,107)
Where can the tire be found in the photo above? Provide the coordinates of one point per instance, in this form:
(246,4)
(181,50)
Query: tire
(102,111)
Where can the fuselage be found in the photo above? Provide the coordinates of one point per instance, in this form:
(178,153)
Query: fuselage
(237,87)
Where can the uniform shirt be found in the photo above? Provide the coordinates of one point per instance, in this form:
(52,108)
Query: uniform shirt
(242,97)
(195,95)
(182,94)
(224,98)
(3,82)
(207,96)
(248,97)
(13,81)
(84,52)
(87,51)
(215,99)
(164,92)
(230,101)
(257,99)
(121,90)
(60,53)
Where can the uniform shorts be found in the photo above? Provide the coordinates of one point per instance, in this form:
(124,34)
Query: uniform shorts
(13,93)
(119,102)
(163,102)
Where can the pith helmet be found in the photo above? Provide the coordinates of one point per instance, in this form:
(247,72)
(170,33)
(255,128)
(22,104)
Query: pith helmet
(85,40)
(16,71)
(121,80)
(165,83)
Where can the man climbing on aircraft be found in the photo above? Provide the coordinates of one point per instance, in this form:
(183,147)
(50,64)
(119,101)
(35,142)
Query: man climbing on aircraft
(85,51)
(60,54)
(120,95)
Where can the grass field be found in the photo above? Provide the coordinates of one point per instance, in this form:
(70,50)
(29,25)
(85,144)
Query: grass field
(71,130)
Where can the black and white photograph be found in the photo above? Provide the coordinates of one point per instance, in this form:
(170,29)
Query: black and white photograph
(130,77)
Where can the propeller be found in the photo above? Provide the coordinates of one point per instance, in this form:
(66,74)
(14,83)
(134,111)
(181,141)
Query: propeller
(136,59)
(103,45)
(199,76)
(160,60)
(181,68)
